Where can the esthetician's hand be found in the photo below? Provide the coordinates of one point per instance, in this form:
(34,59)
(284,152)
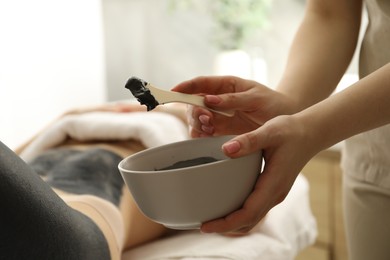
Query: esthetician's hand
(253,103)
(286,147)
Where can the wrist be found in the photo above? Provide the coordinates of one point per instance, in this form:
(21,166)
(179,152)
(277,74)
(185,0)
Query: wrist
(320,130)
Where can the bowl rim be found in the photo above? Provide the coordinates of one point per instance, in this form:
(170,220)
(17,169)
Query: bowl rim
(156,148)
(218,161)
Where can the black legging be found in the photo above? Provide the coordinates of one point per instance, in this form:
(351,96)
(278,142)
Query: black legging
(36,223)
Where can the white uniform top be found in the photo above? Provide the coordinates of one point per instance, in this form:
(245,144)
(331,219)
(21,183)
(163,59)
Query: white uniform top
(367,156)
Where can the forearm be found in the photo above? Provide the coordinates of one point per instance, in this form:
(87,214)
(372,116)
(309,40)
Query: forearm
(321,51)
(361,107)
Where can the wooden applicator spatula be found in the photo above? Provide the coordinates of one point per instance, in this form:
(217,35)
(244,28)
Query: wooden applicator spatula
(151,96)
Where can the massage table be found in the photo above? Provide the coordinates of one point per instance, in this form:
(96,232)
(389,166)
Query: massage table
(286,230)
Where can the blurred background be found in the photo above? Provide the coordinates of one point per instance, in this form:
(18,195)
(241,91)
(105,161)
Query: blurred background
(56,55)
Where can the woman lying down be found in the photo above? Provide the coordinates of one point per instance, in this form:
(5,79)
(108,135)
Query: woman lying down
(70,201)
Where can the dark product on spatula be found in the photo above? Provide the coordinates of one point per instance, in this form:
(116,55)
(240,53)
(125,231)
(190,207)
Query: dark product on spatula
(151,96)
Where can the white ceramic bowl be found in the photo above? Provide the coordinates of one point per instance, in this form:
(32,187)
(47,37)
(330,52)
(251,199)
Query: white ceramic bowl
(186,197)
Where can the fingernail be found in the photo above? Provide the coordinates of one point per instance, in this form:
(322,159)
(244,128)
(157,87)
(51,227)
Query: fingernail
(204,119)
(207,129)
(231,147)
(211,99)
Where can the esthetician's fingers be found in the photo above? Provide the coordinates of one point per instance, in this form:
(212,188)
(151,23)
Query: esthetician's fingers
(250,99)
(204,123)
(285,151)
(245,101)
(199,121)
(254,209)
(213,85)
(224,92)
(254,106)
(252,102)
(270,189)
(267,193)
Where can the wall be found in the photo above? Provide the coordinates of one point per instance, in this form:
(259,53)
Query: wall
(51,59)
(145,39)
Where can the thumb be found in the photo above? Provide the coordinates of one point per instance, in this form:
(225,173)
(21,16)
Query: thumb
(244,144)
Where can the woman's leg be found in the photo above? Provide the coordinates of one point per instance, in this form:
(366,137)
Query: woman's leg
(367,219)
(36,223)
